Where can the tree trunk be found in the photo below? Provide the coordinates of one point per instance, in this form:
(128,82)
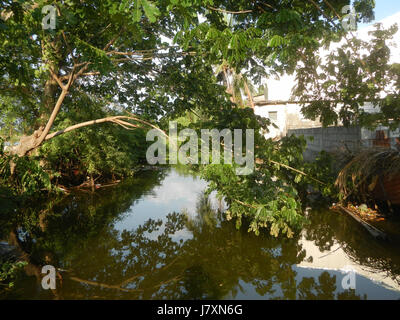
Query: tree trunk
(248,92)
(229,87)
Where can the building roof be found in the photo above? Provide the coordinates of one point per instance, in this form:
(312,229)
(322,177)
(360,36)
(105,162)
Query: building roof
(259,100)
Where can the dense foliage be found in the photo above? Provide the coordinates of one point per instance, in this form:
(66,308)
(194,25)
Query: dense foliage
(271,196)
(156,60)
(28,179)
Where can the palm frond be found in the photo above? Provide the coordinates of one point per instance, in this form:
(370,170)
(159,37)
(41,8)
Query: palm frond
(360,175)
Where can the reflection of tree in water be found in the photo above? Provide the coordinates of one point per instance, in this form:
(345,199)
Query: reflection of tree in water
(327,228)
(60,228)
(151,262)
(229,256)
(225,258)
(324,289)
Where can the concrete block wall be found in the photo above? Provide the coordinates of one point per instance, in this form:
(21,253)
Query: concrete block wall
(329,139)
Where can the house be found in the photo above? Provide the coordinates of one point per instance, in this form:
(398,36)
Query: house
(285,115)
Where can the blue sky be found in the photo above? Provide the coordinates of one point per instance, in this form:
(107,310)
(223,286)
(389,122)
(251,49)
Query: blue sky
(384,9)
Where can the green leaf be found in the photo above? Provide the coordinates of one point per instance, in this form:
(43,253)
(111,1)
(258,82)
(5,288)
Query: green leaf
(137,12)
(274,230)
(276,41)
(150,10)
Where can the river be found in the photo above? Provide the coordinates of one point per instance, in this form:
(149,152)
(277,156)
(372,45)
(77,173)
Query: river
(158,236)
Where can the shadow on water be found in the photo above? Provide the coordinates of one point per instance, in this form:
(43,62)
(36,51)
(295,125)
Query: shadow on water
(158,237)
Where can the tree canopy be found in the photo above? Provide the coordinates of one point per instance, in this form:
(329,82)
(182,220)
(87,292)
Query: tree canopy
(115,55)
(137,63)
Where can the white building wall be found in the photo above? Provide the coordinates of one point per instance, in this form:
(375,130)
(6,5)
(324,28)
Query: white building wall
(280,122)
(289,116)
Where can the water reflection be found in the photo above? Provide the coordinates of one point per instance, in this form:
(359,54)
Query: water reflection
(349,244)
(159,237)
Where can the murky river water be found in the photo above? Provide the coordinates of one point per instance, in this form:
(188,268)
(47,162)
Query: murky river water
(159,237)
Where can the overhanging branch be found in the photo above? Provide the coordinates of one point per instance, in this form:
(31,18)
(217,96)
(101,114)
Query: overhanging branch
(230,12)
(116,119)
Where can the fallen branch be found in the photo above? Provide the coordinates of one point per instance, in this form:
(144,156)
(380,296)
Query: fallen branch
(298,171)
(371,229)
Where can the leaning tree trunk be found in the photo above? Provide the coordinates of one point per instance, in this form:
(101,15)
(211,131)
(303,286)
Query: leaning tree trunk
(52,105)
(28,143)
(248,92)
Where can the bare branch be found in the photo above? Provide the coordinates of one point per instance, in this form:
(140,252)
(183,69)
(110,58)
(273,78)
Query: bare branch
(56,109)
(227,11)
(298,171)
(57,79)
(96,73)
(103,285)
(333,9)
(116,119)
(112,41)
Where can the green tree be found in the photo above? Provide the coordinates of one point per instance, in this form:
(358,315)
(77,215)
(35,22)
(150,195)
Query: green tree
(337,86)
(106,51)
(106,62)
